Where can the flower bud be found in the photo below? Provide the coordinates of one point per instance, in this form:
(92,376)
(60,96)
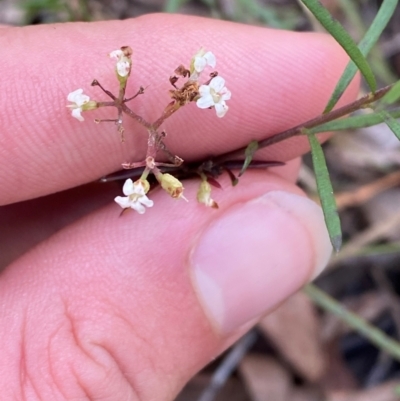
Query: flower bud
(204,195)
(199,61)
(172,185)
(124,63)
(145,184)
(80,103)
(90,105)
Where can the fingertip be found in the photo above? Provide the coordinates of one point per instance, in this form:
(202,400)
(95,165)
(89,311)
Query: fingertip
(255,255)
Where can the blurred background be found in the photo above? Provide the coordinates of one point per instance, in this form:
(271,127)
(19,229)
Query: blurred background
(300,352)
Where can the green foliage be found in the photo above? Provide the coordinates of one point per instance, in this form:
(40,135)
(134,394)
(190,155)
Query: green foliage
(54,8)
(325,192)
(355,122)
(373,334)
(172,6)
(393,124)
(286,18)
(392,96)
(343,38)
(368,41)
(34,7)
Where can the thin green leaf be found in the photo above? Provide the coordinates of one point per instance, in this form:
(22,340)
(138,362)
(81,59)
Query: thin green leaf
(325,192)
(172,6)
(343,38)
(392,96)
(393,124)
(249,153)
(354,122)
(366,44)
(377,337)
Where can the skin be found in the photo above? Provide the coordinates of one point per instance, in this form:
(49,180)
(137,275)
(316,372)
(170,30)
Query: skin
(97,306)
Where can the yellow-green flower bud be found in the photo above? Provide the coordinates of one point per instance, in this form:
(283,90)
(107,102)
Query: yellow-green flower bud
(204,195)
(90,105)
(172,185)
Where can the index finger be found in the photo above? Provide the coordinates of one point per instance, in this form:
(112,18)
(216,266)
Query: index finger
(278,79)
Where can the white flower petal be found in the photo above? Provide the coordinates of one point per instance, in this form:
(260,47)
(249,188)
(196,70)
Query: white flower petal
(221,108)
(199,64)
(136,198)
(138,207)
(123,68)
(217,83)
(77,114)
(81,100)
(226,94)
(72,96)
(128,188)
(144,200)
(205,102)
(116,54)
(204,90)
(123,201)
(78,98)
(211,60)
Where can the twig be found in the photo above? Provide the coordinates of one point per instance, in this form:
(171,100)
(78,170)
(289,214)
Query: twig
(365,238)
(364,193)
(227,366)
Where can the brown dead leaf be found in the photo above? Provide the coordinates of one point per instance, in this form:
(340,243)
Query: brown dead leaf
(233,390)
(338,375)
(385,392)
(305,393)
(294,329)
(265,378)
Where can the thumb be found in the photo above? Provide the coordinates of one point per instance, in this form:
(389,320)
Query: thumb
(131,307)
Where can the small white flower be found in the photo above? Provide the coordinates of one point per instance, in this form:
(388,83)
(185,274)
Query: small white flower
(123,65)
(135,196)
(78,99)
(202,58)
(214,95)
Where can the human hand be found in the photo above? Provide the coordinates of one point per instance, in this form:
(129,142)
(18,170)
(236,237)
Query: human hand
(130,307)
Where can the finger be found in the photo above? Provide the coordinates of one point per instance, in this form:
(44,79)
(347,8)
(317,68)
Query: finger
(23,229)
(26,224)
(278,79)
(131,307)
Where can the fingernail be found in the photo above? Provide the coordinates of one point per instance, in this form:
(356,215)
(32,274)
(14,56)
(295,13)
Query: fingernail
(255,255)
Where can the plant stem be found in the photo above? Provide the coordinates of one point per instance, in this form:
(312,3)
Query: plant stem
(135,116)
(374,335)
(322,119)
(169,110)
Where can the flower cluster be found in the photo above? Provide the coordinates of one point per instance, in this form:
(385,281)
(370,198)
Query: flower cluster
(210,94)
(215,93)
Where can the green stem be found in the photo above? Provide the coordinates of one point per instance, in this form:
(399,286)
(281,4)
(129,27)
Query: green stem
(373,334)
